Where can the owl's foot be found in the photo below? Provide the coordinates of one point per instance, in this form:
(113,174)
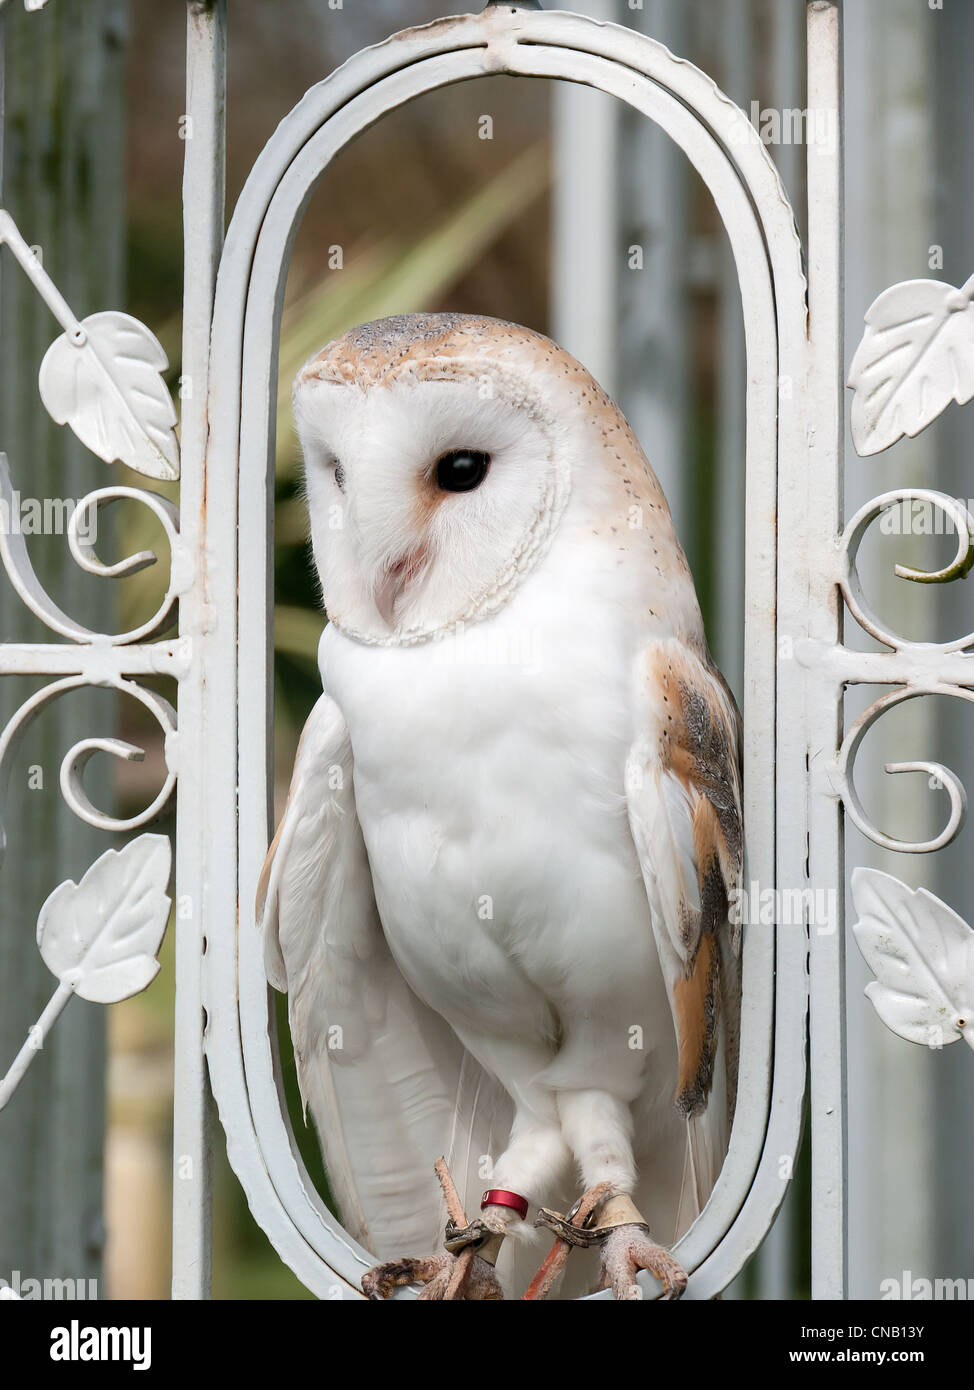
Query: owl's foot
(570,1230)
(445,1276)
(465,1270)
(628,1247)
(613,1221)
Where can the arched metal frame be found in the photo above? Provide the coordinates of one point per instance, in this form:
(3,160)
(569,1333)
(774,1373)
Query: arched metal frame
(790,386)
(801,576)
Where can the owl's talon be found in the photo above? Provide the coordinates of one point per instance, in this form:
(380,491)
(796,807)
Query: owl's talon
(380,1281)
(628,1249)
(435,1273)
(459,1238)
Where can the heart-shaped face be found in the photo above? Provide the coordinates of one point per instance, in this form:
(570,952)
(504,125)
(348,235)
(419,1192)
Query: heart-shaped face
(435,471)
(444,452)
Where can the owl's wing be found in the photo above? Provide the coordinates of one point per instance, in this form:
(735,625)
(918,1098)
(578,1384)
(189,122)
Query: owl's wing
(388,1084)
(683,784)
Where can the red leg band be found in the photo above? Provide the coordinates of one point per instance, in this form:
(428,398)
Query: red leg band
(500,1197)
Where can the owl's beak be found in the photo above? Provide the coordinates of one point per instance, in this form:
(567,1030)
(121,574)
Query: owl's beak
(396,578)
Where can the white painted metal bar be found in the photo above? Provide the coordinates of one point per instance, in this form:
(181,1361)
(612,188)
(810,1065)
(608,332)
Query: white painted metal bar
(63,659)
(35,1041)
(816,489)
(42,282)
(198,915)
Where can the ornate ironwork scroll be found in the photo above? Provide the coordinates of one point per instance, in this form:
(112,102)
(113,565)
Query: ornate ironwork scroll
(103,378)
(915,358)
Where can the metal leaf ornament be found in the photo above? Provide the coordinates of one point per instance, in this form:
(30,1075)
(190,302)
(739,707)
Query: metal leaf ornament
(922,955)
(109,389)
(915,357)
(101,936)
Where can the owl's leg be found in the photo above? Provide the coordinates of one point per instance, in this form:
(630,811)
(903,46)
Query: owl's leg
(464,1271)
(598,1127)
(536,1157)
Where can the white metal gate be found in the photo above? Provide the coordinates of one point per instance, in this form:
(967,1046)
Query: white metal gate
(799,579)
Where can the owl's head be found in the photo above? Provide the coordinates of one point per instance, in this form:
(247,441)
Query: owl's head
(439,457)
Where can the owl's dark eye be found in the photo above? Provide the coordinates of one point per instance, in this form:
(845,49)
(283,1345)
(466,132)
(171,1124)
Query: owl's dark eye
(340,477)
(462,470)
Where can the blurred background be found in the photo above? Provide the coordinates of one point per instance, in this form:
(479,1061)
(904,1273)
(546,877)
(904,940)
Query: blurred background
(554,207)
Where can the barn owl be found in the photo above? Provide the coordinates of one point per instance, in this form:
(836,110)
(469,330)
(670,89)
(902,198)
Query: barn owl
(499,897)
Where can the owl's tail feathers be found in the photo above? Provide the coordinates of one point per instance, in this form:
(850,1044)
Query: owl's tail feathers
(707,1137)
(700,1169)
(708,1134)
